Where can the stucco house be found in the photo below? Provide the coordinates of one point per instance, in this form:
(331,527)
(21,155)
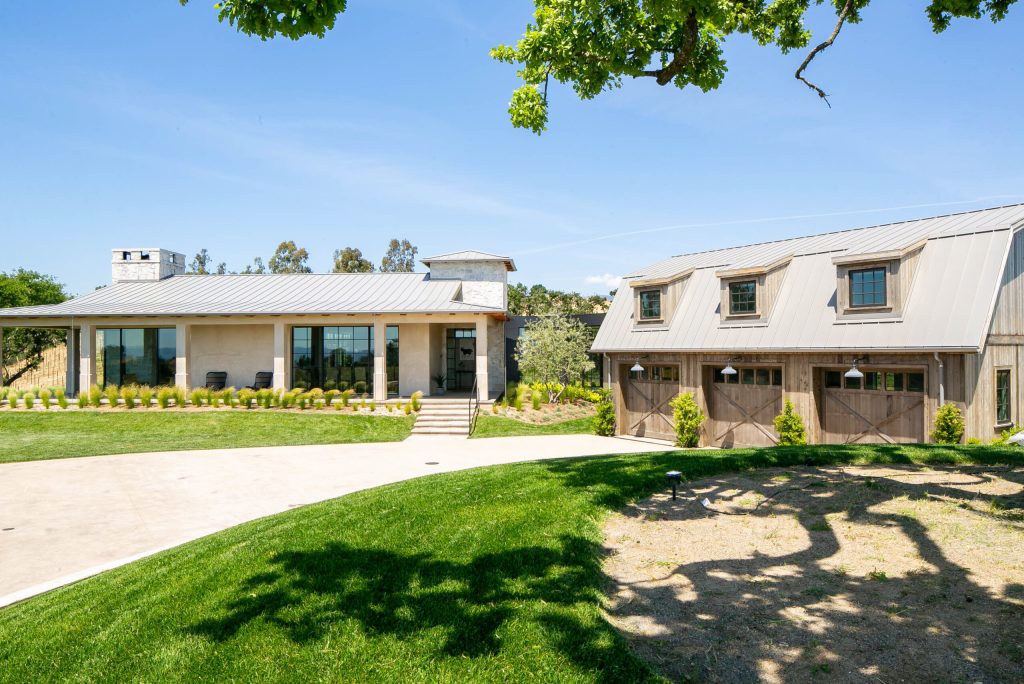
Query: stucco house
(867,331)
(385,334)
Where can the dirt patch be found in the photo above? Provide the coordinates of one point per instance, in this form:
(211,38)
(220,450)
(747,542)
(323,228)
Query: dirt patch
(548,413)
(848,574)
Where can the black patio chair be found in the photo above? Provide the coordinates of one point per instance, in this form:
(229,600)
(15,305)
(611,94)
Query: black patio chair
(264,379)
(216,380)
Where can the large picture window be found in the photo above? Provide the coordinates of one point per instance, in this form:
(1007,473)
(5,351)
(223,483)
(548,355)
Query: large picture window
(1003,386)
(337,357)
(743,298)
(136,356)
(650,305)
(867,287)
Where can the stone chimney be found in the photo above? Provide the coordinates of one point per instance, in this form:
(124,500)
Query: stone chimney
(484,276)
(135,264)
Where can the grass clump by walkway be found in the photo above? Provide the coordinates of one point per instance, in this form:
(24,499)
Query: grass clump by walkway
(33,436)
(491,575)
(499,426)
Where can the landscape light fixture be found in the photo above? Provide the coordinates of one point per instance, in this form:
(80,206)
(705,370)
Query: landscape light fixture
(855,373)
(675,476)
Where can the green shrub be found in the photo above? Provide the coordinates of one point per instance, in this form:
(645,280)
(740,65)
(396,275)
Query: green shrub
(949,425)
(146,396)
(1005,435)
(346,397)
(407,408)
(44,398)
(535,399)
(113,394)
(164,396)
(179,397)
(95,396)
(391,407)
(373,406)
(416,400)
(687,418)
(974,441)
(604,421)
(246,397)
(129,393)
(330,395)
(62,397)
(265,398)
(518,402)
(495,407)
(29,400)
(790,427)
(302,400)
(213,398)
(197,396)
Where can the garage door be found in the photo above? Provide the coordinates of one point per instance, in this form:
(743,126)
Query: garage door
(646,396)
(883,407)
(743,406)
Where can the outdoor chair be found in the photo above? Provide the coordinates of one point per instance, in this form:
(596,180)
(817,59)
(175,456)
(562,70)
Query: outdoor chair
(216,380)
(264,379)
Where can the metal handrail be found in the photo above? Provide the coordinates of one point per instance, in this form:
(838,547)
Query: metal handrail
(474,405)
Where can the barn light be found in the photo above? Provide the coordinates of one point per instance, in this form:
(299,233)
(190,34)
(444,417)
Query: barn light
(729,370)
(637,368)
(854,372)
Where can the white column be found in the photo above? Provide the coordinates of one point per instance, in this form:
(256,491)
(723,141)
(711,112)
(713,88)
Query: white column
(481,359)
(182,356)
(380,359)
(280,349)
(86,357)
(69,373)
(1,357)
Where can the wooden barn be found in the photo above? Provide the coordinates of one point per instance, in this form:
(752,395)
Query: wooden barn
(866,331)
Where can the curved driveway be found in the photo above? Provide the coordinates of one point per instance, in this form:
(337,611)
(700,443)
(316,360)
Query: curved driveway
(63,520)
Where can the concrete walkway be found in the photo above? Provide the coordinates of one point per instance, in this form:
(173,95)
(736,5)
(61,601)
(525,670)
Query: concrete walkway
(64,520)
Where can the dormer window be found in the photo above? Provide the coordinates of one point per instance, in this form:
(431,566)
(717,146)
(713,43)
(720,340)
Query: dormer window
(650,305)
(743,298)
(868,287)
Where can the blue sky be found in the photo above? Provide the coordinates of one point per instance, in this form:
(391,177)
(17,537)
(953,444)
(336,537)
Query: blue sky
(149,124)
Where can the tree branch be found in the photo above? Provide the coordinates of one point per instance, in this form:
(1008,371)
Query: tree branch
(847,8)
(682,56)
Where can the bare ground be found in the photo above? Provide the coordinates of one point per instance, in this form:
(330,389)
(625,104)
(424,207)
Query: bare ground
(857,574)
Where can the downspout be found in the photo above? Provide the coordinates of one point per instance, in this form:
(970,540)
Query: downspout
(942,379)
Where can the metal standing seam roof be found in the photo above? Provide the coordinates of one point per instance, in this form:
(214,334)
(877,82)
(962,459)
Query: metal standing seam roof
(949,304)
(251,294)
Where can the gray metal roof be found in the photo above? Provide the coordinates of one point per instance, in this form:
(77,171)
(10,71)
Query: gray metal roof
(469,255)
(949,304)
(328,293)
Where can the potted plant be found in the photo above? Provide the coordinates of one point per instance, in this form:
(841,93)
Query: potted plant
(439,384)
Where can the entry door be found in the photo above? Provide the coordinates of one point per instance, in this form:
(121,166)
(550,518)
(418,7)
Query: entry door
(461,359)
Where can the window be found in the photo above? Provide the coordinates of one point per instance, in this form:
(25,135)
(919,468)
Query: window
(1003,397)
(833,379)
(650,305)
(876,381)
(659,374)
(764,377)
(136,356)
(392,359)
(337,357)
(743,298)
(461,359)
(867,287)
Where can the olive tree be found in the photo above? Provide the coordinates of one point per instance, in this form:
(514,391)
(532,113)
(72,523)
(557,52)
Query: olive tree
(553,350)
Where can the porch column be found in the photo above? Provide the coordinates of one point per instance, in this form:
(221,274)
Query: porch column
(69,373)
(380,367)
(482,386)
(87,356)
(280,379)
(182,347)
(1,357)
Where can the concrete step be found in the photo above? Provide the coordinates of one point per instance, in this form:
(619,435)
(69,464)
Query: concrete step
(463,425)
(463,432)
(444,412)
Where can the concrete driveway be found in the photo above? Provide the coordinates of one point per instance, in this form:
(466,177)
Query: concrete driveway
(64,520)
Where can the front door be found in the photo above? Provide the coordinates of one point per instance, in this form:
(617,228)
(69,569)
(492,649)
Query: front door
(461,359)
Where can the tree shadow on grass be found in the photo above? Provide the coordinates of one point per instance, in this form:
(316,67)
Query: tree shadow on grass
(465,607)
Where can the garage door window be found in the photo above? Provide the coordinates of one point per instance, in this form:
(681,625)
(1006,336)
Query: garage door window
(659,374)
(751,376)
(876,381)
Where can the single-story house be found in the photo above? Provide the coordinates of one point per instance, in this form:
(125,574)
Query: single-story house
(867,331)
(515,326)
(385,334)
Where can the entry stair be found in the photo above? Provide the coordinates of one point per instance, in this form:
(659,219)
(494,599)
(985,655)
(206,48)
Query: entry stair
(441,416)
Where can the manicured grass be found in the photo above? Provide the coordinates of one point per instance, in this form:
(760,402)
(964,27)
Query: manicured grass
(491,575)
(500,426)
(33,436)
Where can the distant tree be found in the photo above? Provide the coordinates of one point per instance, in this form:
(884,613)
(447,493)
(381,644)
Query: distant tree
(255,267)
(23,347)
(350,260)
(222,268)
(553,350)
(201,263)
(400,257)
(540,301)
(289,259)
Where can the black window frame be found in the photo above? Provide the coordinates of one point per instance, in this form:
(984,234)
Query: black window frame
(654,291)
(874,290)
(326,361)
(112,353)
(1004,396)
(744,298)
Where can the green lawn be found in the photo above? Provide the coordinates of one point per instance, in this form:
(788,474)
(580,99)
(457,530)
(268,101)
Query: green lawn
(32,436)
(491,575)
(499,426)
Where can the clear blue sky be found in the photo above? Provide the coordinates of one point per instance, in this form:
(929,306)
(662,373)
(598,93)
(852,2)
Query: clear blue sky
(149,124)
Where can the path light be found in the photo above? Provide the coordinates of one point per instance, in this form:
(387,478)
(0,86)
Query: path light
(675,476)
(854,372)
